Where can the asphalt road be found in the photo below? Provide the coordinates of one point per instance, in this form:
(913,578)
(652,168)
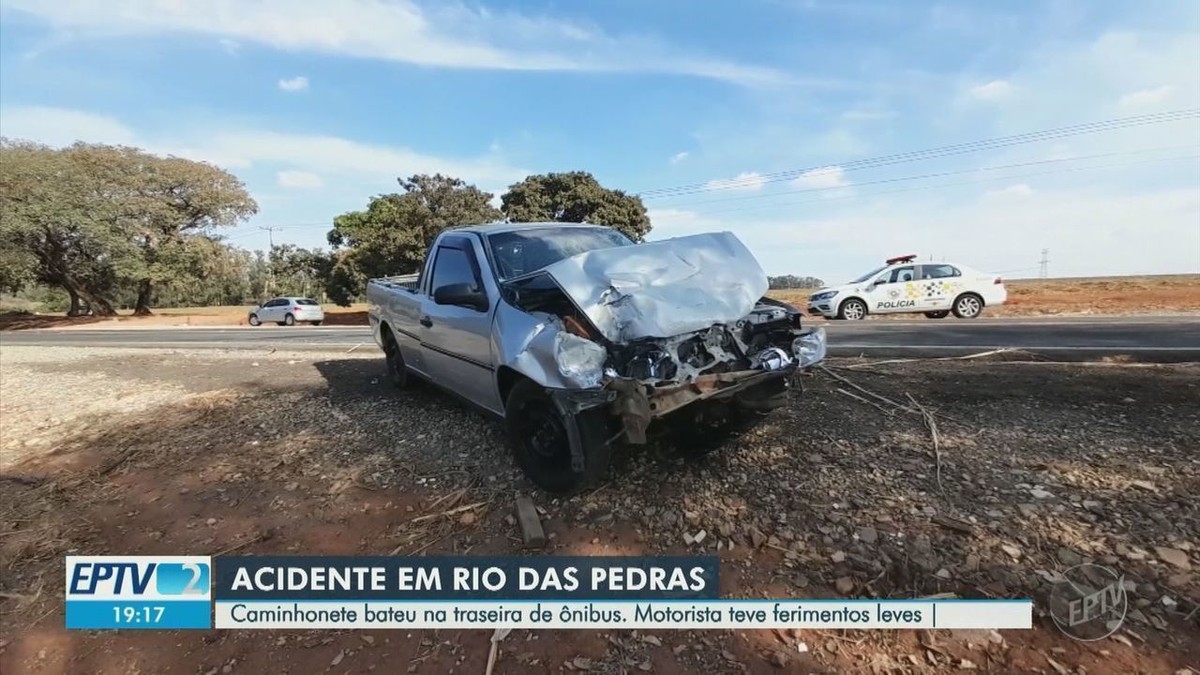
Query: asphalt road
(1164,339)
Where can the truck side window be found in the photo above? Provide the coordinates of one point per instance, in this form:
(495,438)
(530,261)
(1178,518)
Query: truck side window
(452,266)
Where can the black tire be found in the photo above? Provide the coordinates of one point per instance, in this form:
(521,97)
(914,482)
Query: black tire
(540,443)
(397,371)
(937,315)
(316,323)
(967,306)
(253,320)
(857,309)
(697,438)
(289,320)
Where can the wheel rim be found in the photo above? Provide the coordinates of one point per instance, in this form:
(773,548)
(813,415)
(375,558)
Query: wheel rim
(854,310)
(968,306)
(543,432)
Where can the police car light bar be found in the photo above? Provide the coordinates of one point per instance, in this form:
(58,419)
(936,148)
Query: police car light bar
(901,259)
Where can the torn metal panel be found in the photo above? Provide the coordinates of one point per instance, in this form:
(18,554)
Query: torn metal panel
(665,288)
(525,342)
(638,403)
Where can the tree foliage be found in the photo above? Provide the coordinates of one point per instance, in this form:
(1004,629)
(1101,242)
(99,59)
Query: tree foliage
(575,197)
(98,220)
(298,271)
(793,281)
(392,235)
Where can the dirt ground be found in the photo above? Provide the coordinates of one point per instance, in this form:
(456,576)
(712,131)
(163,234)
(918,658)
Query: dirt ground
(1166,294)
(205,452)
(354,315)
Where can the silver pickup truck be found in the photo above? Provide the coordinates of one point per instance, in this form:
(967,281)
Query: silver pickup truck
(580,339)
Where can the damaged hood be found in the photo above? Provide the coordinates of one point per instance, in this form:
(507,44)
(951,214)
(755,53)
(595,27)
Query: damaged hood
(664,288)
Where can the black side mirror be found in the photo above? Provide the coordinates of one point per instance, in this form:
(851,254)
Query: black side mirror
(463,295)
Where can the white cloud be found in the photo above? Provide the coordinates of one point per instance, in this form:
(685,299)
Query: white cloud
(448,35)
(1091,228)
(823,178)
(333,154)
(1146,98)
(1015,191)
(231,47)
(298,83)
(295,157)
(749,181)
(679,157)
(992,91)
(283,170)
(59,126)
(298,179)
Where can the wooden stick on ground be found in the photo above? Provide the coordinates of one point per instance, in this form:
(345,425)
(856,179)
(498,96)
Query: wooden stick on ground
(863,400)
(868,392)
(931,423)
(497,636)
(965,357)
(450,512)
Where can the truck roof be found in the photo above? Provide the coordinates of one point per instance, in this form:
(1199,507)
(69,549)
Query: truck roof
(497,228)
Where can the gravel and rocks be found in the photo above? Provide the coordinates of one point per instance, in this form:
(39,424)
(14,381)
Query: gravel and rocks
(1042,467)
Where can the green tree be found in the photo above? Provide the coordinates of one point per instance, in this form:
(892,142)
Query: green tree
(298,271)
(575,197)
(177,202)
(793,281)
(394,232)
(95,219)
(61,222)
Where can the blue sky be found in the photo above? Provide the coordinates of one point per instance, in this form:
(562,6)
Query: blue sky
(319,105)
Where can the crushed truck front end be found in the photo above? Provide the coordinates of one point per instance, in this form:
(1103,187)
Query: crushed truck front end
(677,331)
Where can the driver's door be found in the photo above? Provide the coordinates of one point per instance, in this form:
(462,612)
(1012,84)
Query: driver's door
(894,291)
(270,311)
(455,340)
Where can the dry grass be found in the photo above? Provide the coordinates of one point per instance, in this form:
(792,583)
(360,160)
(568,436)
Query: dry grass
(1165,294)
(221,315)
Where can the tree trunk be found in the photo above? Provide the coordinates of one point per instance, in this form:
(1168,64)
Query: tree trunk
(142,308)
(100,306)
(76,305)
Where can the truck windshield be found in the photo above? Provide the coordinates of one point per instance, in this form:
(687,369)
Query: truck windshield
(523,251)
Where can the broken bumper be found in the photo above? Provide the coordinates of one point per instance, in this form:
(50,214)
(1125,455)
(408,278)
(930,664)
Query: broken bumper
(638,403)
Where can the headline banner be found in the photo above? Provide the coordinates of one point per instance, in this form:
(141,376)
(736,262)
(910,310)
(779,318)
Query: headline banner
(465,578)
(341,592)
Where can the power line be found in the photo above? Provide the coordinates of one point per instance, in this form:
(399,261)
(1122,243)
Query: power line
(956,184)
(1044,263)
(941,174)
(929,153)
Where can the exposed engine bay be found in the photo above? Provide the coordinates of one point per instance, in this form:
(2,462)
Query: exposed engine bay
(760,341)
(765,339)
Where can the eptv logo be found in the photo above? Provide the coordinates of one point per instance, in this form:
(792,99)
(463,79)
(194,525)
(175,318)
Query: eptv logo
(138,577)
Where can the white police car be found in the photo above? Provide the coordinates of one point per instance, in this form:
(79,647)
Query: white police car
(934,289)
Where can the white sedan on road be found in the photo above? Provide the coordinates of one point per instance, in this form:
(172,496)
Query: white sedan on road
(935,289)
(287,312)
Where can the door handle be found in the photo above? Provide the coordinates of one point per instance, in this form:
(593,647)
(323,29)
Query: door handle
(427,322)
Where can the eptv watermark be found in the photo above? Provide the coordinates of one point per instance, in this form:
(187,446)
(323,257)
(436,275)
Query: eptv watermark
(1088,602)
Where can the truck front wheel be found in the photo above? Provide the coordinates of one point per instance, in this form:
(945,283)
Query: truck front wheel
(539,435)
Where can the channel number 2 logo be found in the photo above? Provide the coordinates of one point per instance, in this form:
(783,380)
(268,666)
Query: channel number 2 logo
(181,579)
